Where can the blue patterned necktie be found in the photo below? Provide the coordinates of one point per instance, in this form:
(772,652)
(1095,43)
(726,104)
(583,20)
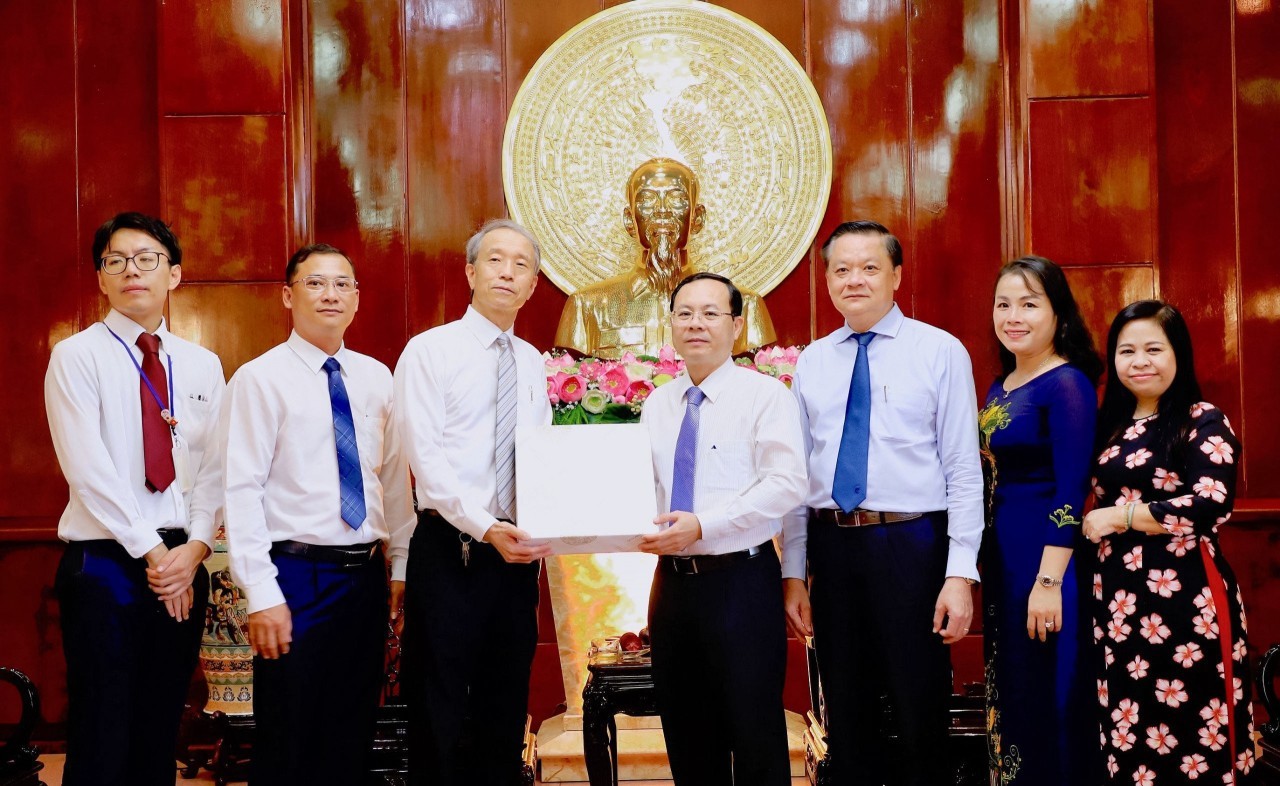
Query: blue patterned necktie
(504,428)
(686,463)
(849,488)
(350,480)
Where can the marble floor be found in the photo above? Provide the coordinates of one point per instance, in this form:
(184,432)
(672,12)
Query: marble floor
(52,775)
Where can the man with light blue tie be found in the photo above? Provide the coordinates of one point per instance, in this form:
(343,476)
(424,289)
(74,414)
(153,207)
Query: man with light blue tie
(728,457)
(890,532)
(316,487)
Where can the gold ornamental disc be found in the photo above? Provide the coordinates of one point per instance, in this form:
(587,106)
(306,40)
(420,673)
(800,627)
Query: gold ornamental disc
(683,79)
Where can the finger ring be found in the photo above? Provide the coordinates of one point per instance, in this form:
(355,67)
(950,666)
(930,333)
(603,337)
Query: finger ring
(1049,625)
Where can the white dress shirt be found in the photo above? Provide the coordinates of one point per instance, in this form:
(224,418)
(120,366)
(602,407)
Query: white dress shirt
(750,458)
(923,454)
(447,394)
(93,400)
(282,463)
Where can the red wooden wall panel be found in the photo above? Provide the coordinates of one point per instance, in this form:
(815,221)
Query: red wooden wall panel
(1087,47)
(1102,290)
(456,103)
(955,188)
(38,213)
(1195,142)
(237,322)
(359,164)
(859,53)
(1092,190)
(1257,28)
(224,57)
(224,190)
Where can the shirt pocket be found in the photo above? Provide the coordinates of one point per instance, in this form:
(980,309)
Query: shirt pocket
(369,435)
(196,421)
(905,417)
(727,465)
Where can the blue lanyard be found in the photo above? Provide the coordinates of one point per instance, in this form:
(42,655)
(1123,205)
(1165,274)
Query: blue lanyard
(168,413)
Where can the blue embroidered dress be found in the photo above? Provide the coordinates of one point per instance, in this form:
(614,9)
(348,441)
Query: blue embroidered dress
(1037,443)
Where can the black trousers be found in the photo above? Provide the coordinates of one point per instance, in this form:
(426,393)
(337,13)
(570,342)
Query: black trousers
(873,591)
(128,665)
(469,639)
(719,653)
(315,708)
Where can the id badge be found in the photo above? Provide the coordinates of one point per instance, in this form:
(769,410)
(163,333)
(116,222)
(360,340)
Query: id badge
(182,464)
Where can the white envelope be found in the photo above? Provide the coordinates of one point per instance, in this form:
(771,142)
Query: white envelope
(585,489)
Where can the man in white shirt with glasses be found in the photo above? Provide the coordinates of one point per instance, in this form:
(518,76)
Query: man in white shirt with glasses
(132,410)
(729,460)
(318,502)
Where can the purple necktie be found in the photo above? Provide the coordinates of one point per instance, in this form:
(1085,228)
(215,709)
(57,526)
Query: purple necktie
(686,463)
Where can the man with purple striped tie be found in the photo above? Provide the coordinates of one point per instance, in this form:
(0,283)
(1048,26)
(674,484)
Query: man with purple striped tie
(728,457)
(316,487)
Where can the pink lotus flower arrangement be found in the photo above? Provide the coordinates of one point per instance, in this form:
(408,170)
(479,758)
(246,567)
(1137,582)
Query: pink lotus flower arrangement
(594,390)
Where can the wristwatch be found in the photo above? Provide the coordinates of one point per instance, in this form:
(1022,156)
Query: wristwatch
(1045,580)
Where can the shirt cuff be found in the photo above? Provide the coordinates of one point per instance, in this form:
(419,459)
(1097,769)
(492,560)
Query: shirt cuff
(141,540)
(202,531)
(962,562)
(793,565)
(263,595)
(399,567)
(713,522)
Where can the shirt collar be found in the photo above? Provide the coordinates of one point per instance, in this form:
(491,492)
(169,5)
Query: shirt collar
(485,331)
(128,330)
(716,382)
(312,356)
(889,325)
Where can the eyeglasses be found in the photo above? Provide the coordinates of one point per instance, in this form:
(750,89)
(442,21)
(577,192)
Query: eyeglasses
(684,316)
(343,284)
(114,264)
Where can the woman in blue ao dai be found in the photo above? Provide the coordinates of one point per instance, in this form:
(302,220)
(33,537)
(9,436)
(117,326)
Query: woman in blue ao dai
(1037,437)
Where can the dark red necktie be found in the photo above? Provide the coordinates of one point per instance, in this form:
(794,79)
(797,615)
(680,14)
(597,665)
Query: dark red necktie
(157,444)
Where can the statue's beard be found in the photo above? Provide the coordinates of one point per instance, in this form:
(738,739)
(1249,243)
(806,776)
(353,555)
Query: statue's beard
(664,250)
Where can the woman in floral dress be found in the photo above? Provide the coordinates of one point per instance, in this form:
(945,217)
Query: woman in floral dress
(1037,448)
(1168,618)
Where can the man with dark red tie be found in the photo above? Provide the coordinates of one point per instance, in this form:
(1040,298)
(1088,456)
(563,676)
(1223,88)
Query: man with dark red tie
(316,489)
(132,410)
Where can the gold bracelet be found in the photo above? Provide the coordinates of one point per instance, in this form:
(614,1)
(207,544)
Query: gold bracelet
(1128,516)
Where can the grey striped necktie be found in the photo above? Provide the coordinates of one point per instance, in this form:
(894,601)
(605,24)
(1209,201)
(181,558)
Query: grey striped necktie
(504,428)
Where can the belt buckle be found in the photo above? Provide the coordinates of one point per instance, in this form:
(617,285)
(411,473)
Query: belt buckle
(850,519)
(685,565)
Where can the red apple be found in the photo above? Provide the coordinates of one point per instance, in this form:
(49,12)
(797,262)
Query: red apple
(630,642)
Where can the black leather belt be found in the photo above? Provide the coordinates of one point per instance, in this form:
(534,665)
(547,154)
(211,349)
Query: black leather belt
(703,563)
(172,536)
(343,556)
(859,517)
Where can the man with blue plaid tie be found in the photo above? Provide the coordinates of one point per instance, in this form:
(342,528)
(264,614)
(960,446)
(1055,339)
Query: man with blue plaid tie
(316,488)
(728,457)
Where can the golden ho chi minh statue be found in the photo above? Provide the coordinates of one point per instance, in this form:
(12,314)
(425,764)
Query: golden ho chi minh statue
(631,311)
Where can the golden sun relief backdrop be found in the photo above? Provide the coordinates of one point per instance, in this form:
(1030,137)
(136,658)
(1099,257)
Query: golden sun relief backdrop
(677,78)
(686,80)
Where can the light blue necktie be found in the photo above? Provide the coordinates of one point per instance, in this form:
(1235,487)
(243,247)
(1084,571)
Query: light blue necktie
(850,486)
(686,463)
(350,480)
